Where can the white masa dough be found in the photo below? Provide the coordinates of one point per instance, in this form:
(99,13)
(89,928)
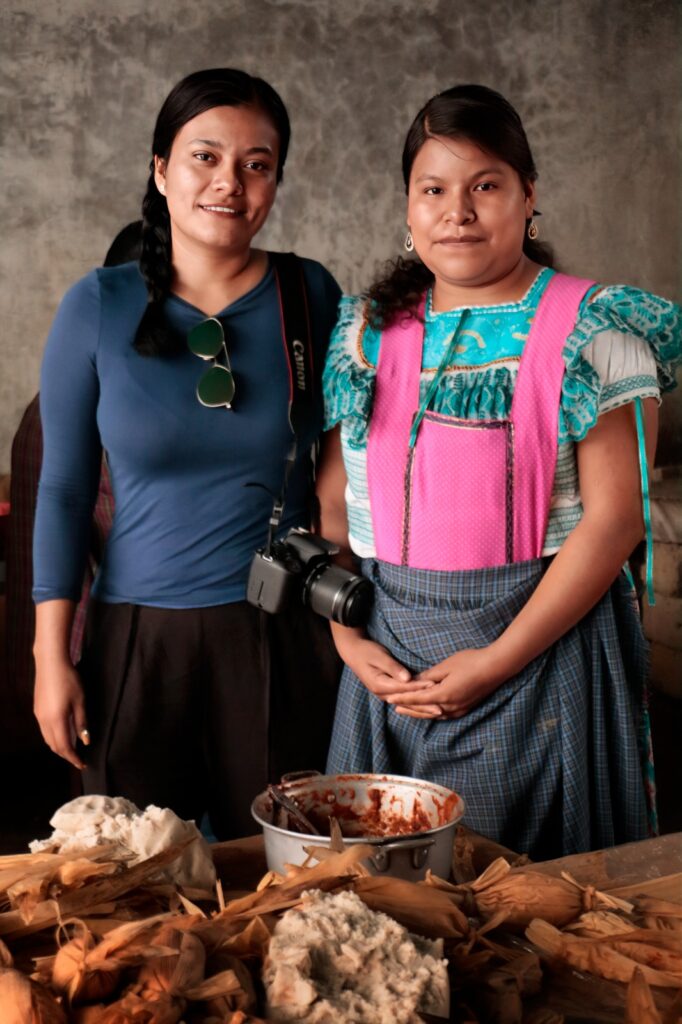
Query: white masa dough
(90,821)
(335,961)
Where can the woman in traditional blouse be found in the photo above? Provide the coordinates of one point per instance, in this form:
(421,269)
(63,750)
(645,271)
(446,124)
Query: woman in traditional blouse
(490,424)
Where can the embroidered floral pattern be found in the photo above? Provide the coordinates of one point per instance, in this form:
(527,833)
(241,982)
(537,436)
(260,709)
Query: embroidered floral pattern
(629,311)
(486,392)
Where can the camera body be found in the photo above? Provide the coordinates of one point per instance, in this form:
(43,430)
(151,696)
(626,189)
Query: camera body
(300,568)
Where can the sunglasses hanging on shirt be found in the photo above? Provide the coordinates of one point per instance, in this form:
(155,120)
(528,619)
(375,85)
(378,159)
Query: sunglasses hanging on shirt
(216,385)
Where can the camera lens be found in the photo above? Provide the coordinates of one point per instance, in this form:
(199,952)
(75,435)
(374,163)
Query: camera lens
(339,595)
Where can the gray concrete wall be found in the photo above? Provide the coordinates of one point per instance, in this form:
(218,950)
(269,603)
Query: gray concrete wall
(597,83)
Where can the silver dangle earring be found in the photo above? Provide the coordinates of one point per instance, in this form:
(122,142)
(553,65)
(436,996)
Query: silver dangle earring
(533,231)
(409,242)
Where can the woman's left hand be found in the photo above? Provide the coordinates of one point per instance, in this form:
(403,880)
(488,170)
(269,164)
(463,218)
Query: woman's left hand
(460,683)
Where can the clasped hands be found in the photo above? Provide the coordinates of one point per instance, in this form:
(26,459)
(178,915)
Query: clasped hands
(449,689)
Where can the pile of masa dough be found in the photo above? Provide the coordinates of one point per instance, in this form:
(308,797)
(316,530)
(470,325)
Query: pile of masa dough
(135,835)
(335,961)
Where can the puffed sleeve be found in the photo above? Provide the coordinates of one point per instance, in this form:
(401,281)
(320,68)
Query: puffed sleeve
(627,344)
(349,376)
(69,393)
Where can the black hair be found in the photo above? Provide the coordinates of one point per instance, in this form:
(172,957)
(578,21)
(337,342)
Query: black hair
(484,117)
(126,247)
(203,90)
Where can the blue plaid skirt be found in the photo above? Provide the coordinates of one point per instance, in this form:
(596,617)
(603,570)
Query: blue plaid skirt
(549,763)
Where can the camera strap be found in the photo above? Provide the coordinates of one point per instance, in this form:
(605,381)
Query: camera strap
(297,338)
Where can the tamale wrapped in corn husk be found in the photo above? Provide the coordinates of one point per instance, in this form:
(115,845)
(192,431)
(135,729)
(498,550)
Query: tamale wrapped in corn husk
(599,922)
(423,910)
(658,949)
(239,1017)
(240,997)
(222,994)
(47,882)
(92,894)
(88,971)
(660,914)
(473,853)
(71,975)
(23,1001)
(595,956)
(526,894)
(157,1008)
(181,970)
(250,941)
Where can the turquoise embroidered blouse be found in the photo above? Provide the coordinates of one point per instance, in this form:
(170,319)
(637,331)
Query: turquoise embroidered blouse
(625,345)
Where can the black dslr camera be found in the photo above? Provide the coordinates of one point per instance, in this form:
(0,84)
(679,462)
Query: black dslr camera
(300,568)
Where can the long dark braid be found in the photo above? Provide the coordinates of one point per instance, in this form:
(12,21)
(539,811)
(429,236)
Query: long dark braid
(399,290)
(203,90)
(481,116)
(153,337)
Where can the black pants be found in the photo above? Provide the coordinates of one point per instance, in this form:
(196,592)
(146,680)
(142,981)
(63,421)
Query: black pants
(198,709)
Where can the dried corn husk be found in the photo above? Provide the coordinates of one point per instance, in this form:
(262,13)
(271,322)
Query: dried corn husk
(423,910)
(87,970)
(660,914)
(469,857)
(92,894)
(528,894)
(640,1007)
(23,1001)
(6,959)
(336,873)
(223,994)
(71,975)
(157,1008)
(659,949)
(28,892)
(250,941)
(239,1017)
(599,922)
(269,879)
(596,957)
(240,996)
(181,970)
(15,867)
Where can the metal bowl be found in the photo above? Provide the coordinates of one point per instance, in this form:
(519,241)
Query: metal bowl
(410,822)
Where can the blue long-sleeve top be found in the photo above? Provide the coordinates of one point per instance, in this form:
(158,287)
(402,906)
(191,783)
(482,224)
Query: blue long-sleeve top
(187,515)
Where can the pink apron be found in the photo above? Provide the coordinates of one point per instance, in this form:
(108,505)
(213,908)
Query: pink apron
(450,493)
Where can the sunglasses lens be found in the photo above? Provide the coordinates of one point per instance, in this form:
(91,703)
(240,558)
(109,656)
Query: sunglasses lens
(216,387)
(206,339)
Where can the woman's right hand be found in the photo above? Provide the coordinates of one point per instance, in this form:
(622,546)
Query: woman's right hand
(59,706)
(58,701)
(374,666)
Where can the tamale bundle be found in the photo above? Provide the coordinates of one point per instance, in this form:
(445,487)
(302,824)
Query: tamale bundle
(24,1001)
(613,957)
(86,970)
(524,894)
(83,896)
(243,996)
(421,909)
(180,969)
(661,914)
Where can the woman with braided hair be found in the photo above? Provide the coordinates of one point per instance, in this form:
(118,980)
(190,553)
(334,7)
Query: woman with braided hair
(492,423)
(186,696)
